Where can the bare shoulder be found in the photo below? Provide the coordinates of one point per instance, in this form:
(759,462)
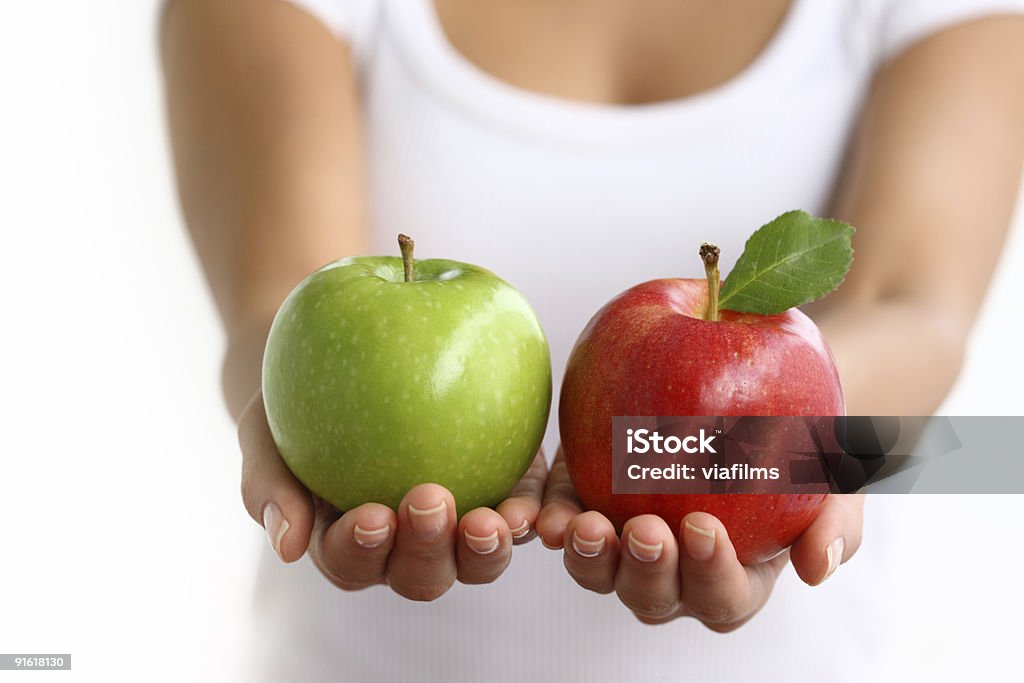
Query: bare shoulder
(988,50)
(226,23)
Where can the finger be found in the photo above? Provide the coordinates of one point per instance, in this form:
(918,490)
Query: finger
(352,551)
(483,546)
(831,539)
(717,589)
(592,552)
(271,493)
(560,504)
(647,581)
(422,564)
(521,508)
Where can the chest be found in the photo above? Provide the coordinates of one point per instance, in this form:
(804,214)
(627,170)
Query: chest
(608,51)
(573,201)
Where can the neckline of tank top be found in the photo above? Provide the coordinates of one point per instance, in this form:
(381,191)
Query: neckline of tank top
(420,42)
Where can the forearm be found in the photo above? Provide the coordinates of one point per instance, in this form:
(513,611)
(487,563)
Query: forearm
(894,357)
(241,371)
(262,109)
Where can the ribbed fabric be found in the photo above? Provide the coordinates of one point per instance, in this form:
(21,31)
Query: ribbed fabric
(572,203)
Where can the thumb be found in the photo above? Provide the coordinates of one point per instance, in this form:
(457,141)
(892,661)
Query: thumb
(271,493)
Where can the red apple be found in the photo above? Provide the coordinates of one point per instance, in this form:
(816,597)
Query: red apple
(653,351)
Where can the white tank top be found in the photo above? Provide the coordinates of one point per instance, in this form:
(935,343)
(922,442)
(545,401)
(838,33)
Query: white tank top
(572,203)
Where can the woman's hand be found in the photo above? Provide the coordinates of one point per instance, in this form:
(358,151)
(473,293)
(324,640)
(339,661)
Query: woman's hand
(419,552)
(661,576)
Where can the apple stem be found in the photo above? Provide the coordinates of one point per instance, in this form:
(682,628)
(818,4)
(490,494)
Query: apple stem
(405,244)
(709,254)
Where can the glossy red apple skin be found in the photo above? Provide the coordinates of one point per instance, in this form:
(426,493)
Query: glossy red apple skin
(650,352)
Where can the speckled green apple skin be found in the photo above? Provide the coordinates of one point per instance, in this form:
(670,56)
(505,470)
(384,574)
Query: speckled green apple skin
(373,385)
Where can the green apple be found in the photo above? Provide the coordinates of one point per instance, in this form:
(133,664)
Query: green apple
(382,373)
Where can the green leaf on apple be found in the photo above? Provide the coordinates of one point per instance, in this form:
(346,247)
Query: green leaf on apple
(791,261)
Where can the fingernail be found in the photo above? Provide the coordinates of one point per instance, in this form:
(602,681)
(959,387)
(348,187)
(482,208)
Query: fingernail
(834,554)
(276,526)
(371,538)
(699,542)
(644,552)
(521,530)
(429,521)
(587,548)
(483,545)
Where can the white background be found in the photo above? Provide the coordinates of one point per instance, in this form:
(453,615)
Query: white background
(122,536)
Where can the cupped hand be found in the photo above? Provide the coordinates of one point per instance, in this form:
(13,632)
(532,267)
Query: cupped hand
(662,574)
(419,551)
